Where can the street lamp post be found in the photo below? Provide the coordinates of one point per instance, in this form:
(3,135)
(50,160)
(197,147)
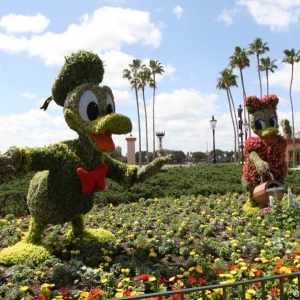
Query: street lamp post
(213,124)
(246,127)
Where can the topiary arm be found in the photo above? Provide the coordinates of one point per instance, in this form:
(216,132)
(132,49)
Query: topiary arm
(153,168)
(261,166)
(287,129)
(14,163)
(123,174)
(127,175)
(18,161)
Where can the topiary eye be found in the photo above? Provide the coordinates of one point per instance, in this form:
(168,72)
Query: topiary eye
(88,106)
(260,124)
(273,122)
(110,106)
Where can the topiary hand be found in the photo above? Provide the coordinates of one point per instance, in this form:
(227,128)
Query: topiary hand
(10,163)
(261,166)
(287,130)
(153,168)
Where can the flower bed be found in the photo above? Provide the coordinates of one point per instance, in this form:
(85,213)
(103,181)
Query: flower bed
(161,244)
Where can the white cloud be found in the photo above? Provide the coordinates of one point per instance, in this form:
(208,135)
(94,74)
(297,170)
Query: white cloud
(185,105)
(227,15)
(108,28)
(116,61)
(123,98)
(178,10)
(12,44)
(277,14)
(282,77)
(40,129)
(28,95)
(21,23)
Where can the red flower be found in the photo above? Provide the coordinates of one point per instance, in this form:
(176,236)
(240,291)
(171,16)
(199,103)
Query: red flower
(126,293)
(192,280)
(273,291)
(64,291)
(202,280)
(40,298)
(177,296)
(259,273)
(144,277)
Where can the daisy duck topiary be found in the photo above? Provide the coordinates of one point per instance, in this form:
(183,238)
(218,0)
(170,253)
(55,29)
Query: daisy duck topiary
(265,153)
(70,172)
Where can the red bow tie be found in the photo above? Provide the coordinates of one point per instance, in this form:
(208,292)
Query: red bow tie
(92,180)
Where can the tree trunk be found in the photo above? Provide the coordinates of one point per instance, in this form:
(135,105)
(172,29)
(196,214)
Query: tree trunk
(153,119)
(146,122)
(257,55)
(139,124)
(233,124)
(293,129)
(236,123)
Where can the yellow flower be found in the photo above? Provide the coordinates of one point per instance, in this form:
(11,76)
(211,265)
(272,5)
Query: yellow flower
(171,279)
(47,285)
(84,295)
(219,291)
(199,269)
(180,282)
(285,270)
(249,293)
(119,295)
(125,271)
(228,281)
(24,288)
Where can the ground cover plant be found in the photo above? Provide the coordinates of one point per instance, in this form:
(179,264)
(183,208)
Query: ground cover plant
(162,243)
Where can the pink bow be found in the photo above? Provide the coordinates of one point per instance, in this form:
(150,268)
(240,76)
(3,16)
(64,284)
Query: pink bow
(92,180)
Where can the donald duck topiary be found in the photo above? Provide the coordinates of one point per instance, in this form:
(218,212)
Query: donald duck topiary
(69,172)
(265,153)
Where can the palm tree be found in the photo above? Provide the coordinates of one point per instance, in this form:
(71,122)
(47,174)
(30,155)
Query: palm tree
(132,76)
(240,60)
(292,57)
(258,47)
(156,68)
(144,78)
(225,82)
(267,65)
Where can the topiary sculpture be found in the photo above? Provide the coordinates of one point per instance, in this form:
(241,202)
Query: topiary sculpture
(69,172)
(266,152)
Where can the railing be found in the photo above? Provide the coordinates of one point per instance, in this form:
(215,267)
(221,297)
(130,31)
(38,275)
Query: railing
(181,294)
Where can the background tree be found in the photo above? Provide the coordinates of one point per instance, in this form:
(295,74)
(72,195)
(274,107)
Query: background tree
(225,82)
(132,76)
(292,57)
(240,60)
(199,156)
(267,65)
(144,79)
(156,68)
(258,47)
(115,154)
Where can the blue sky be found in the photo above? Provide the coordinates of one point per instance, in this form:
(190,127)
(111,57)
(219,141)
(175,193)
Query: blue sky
(192,39)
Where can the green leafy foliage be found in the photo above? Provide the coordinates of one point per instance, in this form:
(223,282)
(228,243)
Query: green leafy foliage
(205,179)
